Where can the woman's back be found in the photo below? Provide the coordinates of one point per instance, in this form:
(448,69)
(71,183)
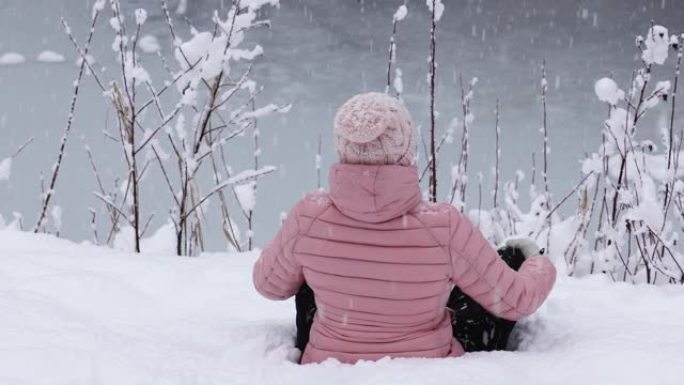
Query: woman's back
(381,264)
(380,275)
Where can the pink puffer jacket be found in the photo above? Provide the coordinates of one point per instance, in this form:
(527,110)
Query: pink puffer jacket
(382,264)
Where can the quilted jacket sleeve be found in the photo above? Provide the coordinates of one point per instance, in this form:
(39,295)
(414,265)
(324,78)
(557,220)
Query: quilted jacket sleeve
(277,275)
(480,273)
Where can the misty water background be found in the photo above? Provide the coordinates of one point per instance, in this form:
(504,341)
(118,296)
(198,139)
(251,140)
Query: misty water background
(317,54)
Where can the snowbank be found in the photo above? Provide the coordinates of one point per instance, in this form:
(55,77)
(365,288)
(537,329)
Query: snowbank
(48,56)
(80,314)
(12,58)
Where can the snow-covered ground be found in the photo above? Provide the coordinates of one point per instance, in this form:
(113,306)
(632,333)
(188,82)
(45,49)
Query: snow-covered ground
(79,314)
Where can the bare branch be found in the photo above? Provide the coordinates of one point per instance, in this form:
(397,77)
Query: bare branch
(112,205)
(21,148)
(55,171)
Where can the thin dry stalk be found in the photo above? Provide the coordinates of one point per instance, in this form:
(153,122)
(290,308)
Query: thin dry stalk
(465,139)
(93,225)
(432,75)
(47,196)
(391,54)
(547,193)
(113,215)
(319,161)
(498,158)
(21,148)
(257,153)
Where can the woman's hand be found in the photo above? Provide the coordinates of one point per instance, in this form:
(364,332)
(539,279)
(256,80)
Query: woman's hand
(527,246)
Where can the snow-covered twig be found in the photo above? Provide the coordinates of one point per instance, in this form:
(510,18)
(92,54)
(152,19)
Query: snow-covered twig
(93,225)
(398,16)
(432,195)
(250,206)
(83,55)
(232,181)
(568,195)
(113,215)
(460,178)
(319,160)
(441,142)
(547,192)
(47,197)
(497,148)
(113,206)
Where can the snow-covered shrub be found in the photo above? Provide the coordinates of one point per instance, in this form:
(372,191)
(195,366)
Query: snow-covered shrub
(217,90)
(501,221)
(181,124)
(629,213)
(632,201)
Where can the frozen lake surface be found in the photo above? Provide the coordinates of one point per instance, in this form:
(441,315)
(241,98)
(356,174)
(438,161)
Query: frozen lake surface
(317,54)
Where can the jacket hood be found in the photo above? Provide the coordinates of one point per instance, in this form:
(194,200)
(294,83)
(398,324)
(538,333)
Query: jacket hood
(374,193)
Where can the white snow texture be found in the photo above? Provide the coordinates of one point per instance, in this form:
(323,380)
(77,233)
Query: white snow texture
(401,13)
(11,58)
(657,44)
(79,314)
(439,8)
(607,91)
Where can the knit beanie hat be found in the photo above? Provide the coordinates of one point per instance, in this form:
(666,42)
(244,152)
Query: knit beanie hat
(374,128)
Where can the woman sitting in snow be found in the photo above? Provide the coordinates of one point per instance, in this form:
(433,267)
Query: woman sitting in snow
(379,272)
